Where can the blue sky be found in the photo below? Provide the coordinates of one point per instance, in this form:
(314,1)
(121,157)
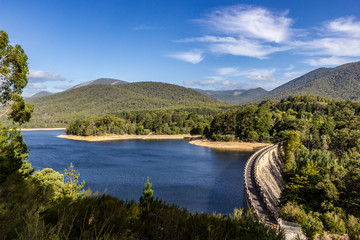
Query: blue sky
(204,44)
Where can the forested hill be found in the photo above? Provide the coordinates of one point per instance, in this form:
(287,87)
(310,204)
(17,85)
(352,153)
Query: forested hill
(98,100)
(342,82)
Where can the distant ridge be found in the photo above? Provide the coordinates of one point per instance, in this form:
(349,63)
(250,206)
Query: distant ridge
(342,82)
(105,81)
(41,94)
(234,96)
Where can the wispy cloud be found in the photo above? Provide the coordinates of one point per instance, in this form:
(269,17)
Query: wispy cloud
(36,86)
(194,56)
(292,75)
(340,47)
(258,32)
(44,76)
(250,21)
(217,84)
(262,76)
(258,75)
(328,61)
(344,25)
(339,42)
(246,47)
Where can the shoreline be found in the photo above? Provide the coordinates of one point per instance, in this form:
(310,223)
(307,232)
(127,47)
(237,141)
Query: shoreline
(229,146)
(41,129)
(195,140)
(125,137)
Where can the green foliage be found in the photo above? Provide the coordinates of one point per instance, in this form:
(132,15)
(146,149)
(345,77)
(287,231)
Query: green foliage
(312,225)
(13,153)
(51,181)
(144,122)
(293,213)
(334,223)
(291,145)
(72,188)
(148,195)
(353,228)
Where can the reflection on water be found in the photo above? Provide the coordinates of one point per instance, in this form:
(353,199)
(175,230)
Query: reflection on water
(190,176)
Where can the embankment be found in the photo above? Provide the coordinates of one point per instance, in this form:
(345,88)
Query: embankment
(263,182)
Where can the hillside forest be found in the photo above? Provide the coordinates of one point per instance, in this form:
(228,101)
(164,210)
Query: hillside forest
(321,143)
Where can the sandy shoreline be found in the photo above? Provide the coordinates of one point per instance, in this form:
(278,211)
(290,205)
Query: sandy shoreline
(196,140)
(125,137)
(41,129)
(231,146)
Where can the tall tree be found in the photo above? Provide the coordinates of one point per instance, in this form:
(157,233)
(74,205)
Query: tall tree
(13,78)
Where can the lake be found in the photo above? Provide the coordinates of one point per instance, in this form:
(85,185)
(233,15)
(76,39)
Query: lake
(195,177)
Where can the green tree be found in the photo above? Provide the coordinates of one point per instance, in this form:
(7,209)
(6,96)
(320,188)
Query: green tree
(148,195)
(72,189)
(13,77)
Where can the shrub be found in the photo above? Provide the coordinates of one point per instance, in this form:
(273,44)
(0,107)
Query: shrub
(353,227)
(334,223)
(312,225)
(293,213)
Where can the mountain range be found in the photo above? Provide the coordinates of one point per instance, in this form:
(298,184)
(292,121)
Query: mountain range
(110,96)
(342,82)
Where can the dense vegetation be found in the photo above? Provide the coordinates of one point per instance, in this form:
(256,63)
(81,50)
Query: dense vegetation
(58,110)
(49,205)
(181,121)
(342,82)
(321,143)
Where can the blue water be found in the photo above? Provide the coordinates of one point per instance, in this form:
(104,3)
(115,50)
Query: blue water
(198,178)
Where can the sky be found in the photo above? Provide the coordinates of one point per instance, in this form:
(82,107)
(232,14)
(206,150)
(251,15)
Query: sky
(206,44)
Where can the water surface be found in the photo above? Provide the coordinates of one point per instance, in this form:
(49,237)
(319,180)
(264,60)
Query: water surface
(195,177)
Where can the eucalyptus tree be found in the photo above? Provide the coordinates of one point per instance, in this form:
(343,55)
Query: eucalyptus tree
(13,78)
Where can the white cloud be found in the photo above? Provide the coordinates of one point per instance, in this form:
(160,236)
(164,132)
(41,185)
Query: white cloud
(340,47)
(63,87)
(291,67)
(250,21)
(328,61)
(44,76)
(344,25)
(215,83)
(194,56)
(228,71)
(246,47)
(239,46)
(262,75)
(292,75)
(35,86)
(244,30)
(207,38)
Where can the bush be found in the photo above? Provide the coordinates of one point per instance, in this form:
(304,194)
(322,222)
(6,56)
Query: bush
(353,228)
(334,223)
(312,225)
(293,213)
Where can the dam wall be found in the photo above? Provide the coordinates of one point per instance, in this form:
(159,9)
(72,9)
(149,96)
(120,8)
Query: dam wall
(263,182)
